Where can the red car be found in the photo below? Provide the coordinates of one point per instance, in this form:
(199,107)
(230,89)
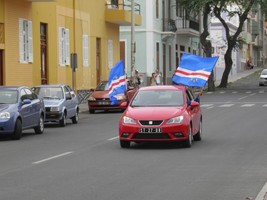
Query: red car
(99,99)
(161,113)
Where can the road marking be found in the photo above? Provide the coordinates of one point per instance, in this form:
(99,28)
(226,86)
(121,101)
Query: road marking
(261,92)
(263,193)
(226,105)
(206,105)
(235,92)
(222,92)
(53,157)
(247,105)
(265,105)
(114,138)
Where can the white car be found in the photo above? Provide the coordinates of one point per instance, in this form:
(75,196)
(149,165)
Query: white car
(263,78)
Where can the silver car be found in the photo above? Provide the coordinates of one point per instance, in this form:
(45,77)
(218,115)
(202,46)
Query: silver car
(263,77)
(61,103)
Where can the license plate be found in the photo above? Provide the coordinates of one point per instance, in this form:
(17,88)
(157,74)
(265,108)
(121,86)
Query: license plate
(103,103)
(150,130)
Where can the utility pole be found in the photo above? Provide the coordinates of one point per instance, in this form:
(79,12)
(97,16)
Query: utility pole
(74,59)
(132,42)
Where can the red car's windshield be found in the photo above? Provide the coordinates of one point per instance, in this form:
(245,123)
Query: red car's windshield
(103,86)
(168,98)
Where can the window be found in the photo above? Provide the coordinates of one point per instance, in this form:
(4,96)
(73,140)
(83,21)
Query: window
(25,41)
(64,46)
(85,51)
(157,9)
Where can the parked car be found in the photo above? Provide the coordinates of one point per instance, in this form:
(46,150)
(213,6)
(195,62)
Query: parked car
(61,103)
(161,113)
(20,109)
(99,99)
(263,77)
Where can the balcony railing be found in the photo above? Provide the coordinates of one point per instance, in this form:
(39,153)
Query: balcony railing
(169,25)
(187,24)
(114,4)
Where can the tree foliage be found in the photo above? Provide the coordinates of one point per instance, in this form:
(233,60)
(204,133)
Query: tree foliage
(239,8)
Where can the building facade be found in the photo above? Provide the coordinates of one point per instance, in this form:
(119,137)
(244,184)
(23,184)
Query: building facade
(60,41)
(166,32)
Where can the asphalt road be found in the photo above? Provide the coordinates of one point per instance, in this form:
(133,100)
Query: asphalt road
(84,161)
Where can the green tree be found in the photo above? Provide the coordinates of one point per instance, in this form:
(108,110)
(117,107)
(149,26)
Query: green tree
(217,8)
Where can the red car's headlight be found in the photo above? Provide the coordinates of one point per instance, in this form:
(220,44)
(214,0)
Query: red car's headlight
(176,120)
(128,120)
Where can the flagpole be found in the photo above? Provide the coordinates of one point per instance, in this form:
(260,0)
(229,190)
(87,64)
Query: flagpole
(132,42)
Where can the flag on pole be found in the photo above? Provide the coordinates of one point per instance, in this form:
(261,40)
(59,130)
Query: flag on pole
(116,82)
(194,70)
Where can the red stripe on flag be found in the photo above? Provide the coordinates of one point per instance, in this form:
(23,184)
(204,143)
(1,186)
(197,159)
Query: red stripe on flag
(191,73)
(116,84)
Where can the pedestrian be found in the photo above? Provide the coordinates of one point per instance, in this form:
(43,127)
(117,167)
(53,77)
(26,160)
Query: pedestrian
(137,79)
(158,77)
(153,79)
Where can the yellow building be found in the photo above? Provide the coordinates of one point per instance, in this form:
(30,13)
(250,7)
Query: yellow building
(39,37)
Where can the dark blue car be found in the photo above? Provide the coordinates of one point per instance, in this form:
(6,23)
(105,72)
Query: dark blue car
(20,109)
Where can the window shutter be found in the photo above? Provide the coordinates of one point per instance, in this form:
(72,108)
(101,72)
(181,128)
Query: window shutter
(67,46)
(85,51)
(60,46)
(21,42)
(110,54)
(30,51)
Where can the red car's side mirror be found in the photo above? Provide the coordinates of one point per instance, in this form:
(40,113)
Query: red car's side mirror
(124,104)
(194,104)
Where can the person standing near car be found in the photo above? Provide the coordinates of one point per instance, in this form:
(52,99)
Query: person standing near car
(158,77)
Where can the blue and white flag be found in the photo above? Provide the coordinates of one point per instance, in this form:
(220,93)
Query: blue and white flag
(116,82)
(194,70)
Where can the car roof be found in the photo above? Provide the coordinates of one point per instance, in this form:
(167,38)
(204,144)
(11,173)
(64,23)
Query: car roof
(52,85)
(164,87)
(11,87)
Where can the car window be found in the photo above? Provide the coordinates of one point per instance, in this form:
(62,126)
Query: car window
(8,97)
(30,95)
(264,72)
(103,86)
(50,92)
(67,92)
(158,98)
(23,95)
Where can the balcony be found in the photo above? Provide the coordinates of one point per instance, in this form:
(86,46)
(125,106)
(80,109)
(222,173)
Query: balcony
(120,13)
(169,25)
(187,27)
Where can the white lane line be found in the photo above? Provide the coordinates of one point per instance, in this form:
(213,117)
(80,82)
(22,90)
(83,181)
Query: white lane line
(235,92)
(247,105)
(226,105)
(263,193)
(206,105)
(265,105)
(114,138)
(53,157)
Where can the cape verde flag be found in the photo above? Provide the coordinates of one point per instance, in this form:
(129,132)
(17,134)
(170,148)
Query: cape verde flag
(194,70)
(116,82)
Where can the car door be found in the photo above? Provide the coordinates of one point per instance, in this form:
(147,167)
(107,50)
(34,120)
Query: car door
(35,108)
(194,112)
(25,109)
(69,102)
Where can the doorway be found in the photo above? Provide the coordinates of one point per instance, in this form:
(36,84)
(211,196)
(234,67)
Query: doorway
(43,42)
(122,53)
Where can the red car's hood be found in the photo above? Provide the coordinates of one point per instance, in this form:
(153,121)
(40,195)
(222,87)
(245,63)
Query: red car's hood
(100,94)
(153,113)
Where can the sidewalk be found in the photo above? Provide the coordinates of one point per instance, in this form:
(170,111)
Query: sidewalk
(240,75)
